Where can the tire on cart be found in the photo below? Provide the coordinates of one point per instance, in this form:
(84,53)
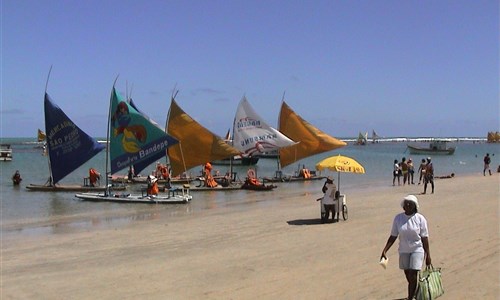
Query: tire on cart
(344,212)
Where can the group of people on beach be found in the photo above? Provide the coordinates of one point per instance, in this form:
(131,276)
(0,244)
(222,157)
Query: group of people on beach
(407,170)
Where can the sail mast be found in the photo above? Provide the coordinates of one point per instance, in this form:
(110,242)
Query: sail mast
(50,180)
(108,143)
(278,156)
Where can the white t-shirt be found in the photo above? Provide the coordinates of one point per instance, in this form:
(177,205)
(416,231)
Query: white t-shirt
(329,196)
(410,230)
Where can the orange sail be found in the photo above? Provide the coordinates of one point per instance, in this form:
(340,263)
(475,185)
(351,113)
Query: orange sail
(197,145)
(310,139)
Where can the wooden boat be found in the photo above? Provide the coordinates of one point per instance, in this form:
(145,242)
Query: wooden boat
(68,148)
(311,141)
(73,188)
(280,177)
(362,138)
(435,147)
(237,161)
(5,152)
(248,185)
(134,139)
(172,196)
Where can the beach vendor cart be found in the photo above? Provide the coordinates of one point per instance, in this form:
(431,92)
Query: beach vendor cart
(339,164)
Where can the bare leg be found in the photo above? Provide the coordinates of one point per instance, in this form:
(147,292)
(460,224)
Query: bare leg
(412,278)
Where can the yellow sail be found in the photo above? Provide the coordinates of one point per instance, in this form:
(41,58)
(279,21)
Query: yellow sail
(197,145)
(310,139)
(41,135)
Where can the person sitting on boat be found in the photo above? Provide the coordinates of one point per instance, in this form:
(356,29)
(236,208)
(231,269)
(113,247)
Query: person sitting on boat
(152,186)
(16,178)
(94,176)
(209,179)
(304,172)
(252,178)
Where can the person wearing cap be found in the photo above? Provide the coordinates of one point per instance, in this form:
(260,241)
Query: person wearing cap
(411,228)
(328,201)
(429,175)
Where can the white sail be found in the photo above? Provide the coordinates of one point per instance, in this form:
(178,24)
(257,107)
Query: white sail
(252,135)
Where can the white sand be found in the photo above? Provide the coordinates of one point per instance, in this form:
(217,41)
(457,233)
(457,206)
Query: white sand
(262,253)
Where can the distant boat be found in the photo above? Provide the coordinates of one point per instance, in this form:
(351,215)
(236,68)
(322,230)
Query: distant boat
(375,137)
(5,152)
(493,137)
(438,147)
(41,136)
(238,160)
(362,138)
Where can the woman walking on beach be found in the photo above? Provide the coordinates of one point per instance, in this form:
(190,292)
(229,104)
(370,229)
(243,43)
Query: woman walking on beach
(411,227)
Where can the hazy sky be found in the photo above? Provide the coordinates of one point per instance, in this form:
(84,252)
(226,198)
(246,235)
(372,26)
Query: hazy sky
(402,68)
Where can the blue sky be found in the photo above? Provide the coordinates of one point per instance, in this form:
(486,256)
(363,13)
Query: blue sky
(402,68)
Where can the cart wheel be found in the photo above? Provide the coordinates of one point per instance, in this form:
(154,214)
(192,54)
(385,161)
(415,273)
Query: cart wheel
(344,212)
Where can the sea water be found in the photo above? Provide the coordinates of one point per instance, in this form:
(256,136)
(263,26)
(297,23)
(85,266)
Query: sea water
(29,212)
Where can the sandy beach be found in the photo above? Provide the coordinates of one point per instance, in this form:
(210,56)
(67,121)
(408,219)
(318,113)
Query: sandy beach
(276,251)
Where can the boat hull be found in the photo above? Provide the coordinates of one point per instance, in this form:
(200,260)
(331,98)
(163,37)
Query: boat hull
(260,187)
(244,161)
(429,151)
(128,198)
(292,179)
(71,188)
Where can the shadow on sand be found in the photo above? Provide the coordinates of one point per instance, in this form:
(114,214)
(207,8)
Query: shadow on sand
(305,222)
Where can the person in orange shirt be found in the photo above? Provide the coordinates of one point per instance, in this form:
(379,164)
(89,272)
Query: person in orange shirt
(94,176)
(152,186)
(209,179)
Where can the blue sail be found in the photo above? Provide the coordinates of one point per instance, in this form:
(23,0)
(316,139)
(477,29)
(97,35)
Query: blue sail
(134,138)
(69,147)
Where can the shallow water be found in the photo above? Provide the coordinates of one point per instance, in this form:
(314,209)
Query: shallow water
(28,212)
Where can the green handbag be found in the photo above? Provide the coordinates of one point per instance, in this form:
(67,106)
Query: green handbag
(429,284)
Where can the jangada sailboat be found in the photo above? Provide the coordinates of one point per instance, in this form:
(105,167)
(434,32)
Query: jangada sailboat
(134,138)
(68,147)
(253,136)
(197,146)
(310,140)
(362,138)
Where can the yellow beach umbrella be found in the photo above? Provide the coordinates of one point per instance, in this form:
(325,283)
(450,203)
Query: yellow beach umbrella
(340,163)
